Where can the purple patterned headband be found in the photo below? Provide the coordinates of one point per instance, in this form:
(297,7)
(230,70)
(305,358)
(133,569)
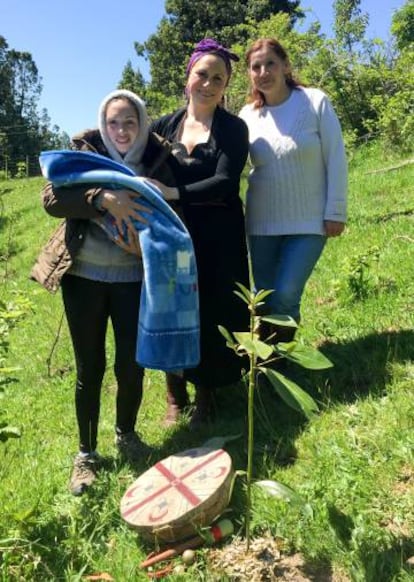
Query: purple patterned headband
(209,46)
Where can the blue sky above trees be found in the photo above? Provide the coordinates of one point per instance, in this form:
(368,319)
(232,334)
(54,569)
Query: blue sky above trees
(78,69)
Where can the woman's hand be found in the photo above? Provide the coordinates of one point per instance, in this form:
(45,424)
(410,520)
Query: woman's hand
(131,246)
(333,228)
(168,192)
(124,207)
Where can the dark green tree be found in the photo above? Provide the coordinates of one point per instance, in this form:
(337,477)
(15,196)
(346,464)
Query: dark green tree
(25,83)
(350,23)
(132,80)
(187,22)
(368,80)
(402,26)
(5,87)
(341,67)
(23,132)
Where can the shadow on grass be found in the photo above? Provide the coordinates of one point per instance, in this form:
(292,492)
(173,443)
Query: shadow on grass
(388,564)
(371,565)
(364,366)
(66,541)
(276,427)
(361,367)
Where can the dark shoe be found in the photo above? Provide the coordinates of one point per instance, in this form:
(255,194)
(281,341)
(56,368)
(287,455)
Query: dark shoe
(131,448)
(204,407)
(177,399)
(84,473)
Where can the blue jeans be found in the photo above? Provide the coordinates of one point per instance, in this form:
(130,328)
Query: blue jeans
(284,263)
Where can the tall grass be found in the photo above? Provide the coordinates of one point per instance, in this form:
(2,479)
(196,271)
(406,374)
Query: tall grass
(352,466)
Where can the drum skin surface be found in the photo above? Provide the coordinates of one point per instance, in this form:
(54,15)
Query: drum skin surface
(179,494)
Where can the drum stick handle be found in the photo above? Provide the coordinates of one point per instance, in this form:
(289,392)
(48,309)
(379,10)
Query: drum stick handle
(158,558)
(220,530)
(170,553)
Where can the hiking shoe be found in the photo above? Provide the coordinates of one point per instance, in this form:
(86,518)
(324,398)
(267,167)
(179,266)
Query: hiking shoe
(84,473)
(132,448)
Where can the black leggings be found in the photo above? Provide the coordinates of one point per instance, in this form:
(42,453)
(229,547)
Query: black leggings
(88,306)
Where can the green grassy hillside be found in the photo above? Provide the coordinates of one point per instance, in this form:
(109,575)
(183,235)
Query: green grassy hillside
(352,466)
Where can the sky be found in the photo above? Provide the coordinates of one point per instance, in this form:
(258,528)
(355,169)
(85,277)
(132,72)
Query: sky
(81,47)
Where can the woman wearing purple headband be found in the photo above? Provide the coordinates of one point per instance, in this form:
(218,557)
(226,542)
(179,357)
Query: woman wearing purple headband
(209,152)
(210,46)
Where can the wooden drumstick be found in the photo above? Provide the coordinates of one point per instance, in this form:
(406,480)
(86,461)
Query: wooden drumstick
(216,532)
(172,552)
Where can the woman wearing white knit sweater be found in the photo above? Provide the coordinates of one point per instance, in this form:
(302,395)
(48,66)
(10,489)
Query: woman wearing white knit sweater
(297,189)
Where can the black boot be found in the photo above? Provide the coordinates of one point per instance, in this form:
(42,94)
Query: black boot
(204,407)
(177,398)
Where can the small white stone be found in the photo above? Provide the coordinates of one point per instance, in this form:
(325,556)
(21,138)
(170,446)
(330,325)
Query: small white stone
(188,556)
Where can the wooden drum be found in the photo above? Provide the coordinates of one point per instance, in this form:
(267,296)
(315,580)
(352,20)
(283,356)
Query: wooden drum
(179,494)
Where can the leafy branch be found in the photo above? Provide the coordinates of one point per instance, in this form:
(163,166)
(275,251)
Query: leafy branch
(264,357)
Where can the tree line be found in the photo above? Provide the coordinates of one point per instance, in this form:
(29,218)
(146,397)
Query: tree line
(24,132)
(370,81)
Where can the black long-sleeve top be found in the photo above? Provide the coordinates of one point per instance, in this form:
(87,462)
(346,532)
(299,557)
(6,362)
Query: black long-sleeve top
(208,180)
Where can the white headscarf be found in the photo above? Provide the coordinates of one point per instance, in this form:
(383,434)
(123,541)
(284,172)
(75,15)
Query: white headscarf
(133,157)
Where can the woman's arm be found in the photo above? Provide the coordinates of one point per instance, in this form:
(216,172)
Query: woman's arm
(71,202)
(231,136)
(85,202)
(334,156)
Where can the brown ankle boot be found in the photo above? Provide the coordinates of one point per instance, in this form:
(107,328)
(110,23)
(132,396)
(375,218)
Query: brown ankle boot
(204,407)
(177,399)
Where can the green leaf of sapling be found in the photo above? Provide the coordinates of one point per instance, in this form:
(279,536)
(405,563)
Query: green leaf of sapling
(253,345)
(308,357)
(227,335)
(277,489)
(291,393)
(242,297)
(262,294)
(282,320)
(245,293)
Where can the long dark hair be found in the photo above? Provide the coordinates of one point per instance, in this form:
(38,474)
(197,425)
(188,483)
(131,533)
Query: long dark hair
(255,96)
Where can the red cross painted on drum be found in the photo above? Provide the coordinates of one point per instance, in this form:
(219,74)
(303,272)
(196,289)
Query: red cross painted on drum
(174,486)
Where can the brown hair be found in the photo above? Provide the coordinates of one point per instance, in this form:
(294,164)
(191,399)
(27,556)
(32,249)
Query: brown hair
(255,96)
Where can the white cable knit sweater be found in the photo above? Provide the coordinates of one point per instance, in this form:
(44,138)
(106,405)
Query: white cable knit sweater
(299,168)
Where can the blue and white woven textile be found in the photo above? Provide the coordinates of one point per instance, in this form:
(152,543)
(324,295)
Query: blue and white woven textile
(168,324)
